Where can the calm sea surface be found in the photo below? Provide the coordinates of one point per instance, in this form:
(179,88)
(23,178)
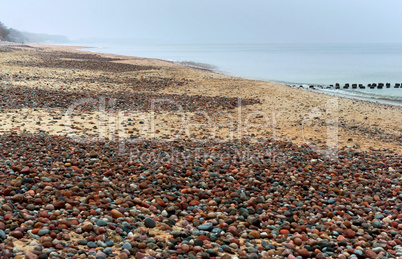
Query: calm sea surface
(318,64)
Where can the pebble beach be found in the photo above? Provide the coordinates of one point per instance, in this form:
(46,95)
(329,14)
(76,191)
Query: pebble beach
(107,156)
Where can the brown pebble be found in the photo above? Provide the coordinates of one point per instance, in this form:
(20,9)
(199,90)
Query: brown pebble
(304,253)
(298,241)
(59,204)
(18,198)
(17,234)
(116,214)
(87,227)
(93,154)
(25,170)
(255,234)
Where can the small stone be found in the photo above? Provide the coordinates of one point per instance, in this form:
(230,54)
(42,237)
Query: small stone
(116,214)
(49,207)
(211,215)
(143,185)
(185,248)
(349,233)
(206,226)
(92,244)
(17,234)
(6,207)
(108,251)
(82,242)
(255,234)
(378,250)
(43,232)
(358,252)
(370,254)
(199,242)
(233,230)
(212,252)
(87,227)
(46,179)
(101,223)
(59,204)
(93,154)
(110,243)
(379,216)
(149,223)
(100,255)
(298,241)
(377,224)
(25,170)
(127,246)
(2,235)
(194,203)
(18,198)
(304,253)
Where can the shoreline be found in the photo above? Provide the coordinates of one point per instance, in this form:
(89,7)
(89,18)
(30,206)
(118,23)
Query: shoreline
(212,68)
(336,93)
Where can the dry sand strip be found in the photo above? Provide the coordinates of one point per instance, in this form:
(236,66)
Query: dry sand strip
(106,156)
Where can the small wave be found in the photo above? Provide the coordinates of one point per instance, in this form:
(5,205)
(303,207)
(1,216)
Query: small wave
(198,65)
(363,96)
(376,95)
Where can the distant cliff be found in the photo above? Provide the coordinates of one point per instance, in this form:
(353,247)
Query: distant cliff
(13,35)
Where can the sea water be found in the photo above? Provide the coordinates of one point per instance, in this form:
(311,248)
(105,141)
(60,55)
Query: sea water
(292,64)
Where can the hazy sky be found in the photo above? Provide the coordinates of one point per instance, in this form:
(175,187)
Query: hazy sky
(211,21)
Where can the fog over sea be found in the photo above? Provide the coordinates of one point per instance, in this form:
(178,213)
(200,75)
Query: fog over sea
(292,64)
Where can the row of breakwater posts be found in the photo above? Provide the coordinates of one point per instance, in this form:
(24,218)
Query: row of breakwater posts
(352,86)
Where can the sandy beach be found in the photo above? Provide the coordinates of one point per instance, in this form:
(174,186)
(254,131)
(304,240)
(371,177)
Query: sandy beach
(288,114)
(141,157)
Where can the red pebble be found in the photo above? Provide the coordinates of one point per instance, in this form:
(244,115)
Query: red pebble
(349,233)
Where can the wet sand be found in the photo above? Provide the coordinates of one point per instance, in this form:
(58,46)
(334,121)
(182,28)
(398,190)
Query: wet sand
(174,160)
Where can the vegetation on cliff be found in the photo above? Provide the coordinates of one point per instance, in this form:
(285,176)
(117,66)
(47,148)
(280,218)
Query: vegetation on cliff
(13,35)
